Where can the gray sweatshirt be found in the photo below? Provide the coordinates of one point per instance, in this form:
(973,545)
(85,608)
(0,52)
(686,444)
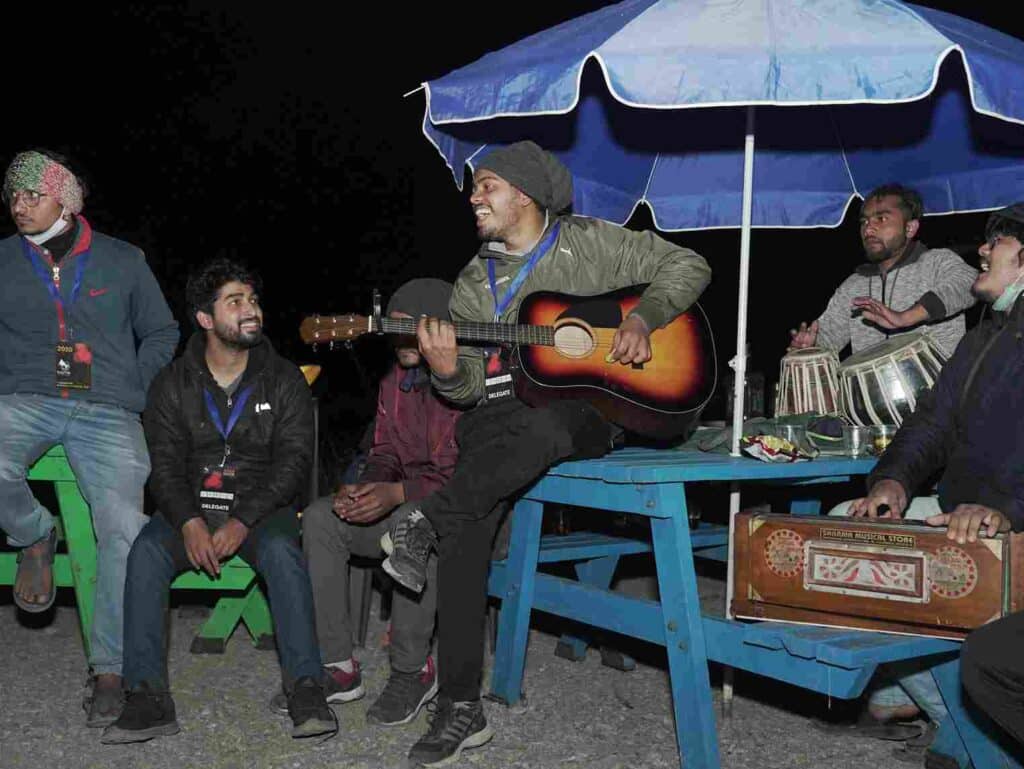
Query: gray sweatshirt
(937,278)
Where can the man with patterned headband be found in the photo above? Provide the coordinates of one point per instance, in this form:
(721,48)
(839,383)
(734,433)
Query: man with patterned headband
(84,327)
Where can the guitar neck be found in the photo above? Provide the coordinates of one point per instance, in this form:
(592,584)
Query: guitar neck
(480,332)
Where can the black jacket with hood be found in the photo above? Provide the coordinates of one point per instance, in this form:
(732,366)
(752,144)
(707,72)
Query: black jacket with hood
(971,423)
(271,444)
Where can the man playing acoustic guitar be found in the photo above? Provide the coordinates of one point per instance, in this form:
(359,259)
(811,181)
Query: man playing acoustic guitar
(518,193)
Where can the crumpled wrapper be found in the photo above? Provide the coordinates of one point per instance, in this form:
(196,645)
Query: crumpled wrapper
(771,448)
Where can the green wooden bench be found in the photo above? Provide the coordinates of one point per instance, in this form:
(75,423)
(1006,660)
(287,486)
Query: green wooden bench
(76,568)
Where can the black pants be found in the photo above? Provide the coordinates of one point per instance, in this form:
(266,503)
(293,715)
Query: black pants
(502,449)
(992,671)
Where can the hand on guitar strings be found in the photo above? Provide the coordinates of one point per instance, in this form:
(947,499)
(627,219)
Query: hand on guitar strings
(965,522)
(631,343)
(437,345)
(887,499)
(805,336)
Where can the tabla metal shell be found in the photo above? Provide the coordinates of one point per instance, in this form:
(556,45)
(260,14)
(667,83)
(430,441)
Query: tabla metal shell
(881,384)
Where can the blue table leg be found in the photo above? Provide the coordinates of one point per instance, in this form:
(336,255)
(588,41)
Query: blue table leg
(514,619)
(696,731)
(966,731)
(597,572)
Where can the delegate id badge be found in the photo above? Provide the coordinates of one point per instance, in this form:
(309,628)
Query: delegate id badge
(73,366)
(497,375)
(217,494)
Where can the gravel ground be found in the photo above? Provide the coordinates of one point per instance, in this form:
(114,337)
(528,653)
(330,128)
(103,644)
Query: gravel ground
(578,714)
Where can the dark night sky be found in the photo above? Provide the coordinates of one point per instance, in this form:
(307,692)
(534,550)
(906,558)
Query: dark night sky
(281,134)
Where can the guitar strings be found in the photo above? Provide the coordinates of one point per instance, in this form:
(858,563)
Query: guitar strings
(530,335)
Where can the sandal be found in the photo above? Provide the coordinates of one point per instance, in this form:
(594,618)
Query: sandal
(868,726)
(33,566)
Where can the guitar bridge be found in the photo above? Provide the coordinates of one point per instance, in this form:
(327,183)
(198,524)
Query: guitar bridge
(637,366)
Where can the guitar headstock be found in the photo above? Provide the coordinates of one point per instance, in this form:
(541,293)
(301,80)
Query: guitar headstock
(318,329)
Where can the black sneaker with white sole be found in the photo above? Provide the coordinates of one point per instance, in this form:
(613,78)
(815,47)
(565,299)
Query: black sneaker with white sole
(454,727)
(408,543)
(307,706)
(338,685)
(403,696)
(146,714)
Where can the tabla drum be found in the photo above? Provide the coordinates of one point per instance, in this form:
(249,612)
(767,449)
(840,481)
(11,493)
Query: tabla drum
(881,385)
(808,382)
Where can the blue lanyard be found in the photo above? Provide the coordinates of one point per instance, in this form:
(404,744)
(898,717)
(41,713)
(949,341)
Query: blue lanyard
(46,275)
(236,411)
(517,282)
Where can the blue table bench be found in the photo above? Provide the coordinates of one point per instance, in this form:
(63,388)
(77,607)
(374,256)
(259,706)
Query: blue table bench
(652,483)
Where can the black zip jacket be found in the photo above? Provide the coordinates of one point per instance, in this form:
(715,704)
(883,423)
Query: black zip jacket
(971,423)
(271,444)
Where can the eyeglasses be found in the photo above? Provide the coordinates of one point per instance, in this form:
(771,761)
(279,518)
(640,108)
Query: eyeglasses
(30,198)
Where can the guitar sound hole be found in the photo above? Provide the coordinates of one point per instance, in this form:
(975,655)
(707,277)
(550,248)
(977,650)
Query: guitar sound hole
(573,341)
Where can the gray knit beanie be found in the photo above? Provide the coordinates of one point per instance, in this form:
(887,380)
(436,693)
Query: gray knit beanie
(422,296)
(536,172)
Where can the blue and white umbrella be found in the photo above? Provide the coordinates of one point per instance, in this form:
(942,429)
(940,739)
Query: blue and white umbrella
(849,94)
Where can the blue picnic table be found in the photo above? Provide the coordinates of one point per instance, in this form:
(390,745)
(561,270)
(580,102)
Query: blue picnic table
(652,483)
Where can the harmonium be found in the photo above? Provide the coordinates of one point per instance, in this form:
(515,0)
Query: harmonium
(875,574)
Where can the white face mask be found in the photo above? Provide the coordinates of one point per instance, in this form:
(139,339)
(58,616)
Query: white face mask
(54,229)
(1009,295)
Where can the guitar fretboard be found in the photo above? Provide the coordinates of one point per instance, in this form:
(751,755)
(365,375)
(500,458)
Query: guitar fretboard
(480,332)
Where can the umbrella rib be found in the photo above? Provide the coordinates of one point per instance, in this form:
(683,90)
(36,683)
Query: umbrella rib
(842,152)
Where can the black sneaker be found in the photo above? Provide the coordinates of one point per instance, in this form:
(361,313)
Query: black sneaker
(408,543)
(102,702)
(147,714)
(338,686)
(454,726)
(309,711)
(403,696)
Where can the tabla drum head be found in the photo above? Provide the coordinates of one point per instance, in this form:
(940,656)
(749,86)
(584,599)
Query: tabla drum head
(891,346)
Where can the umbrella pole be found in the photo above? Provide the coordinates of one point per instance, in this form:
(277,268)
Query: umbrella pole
(739,365)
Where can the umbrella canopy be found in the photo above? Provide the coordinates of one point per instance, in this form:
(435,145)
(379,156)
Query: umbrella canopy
(954,136)
(849,94)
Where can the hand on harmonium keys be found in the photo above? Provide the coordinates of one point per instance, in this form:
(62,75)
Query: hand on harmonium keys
(966,521)
(887,499)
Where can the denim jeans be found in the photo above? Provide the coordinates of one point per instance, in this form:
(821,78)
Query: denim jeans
(909,682)
(107,452)
(158,556)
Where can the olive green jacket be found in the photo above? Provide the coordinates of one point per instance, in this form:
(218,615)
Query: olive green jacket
(589,257)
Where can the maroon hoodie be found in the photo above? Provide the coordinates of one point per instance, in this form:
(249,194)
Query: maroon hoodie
(414,436)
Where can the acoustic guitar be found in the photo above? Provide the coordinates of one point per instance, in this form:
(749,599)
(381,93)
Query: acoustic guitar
(560,345)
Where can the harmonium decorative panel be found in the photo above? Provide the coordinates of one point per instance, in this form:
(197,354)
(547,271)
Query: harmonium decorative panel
(876,574)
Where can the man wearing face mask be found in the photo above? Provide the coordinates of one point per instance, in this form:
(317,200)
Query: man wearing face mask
(84,327)
(970,426)
(902,286)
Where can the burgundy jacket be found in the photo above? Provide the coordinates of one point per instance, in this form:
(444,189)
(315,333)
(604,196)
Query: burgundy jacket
(414,436)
